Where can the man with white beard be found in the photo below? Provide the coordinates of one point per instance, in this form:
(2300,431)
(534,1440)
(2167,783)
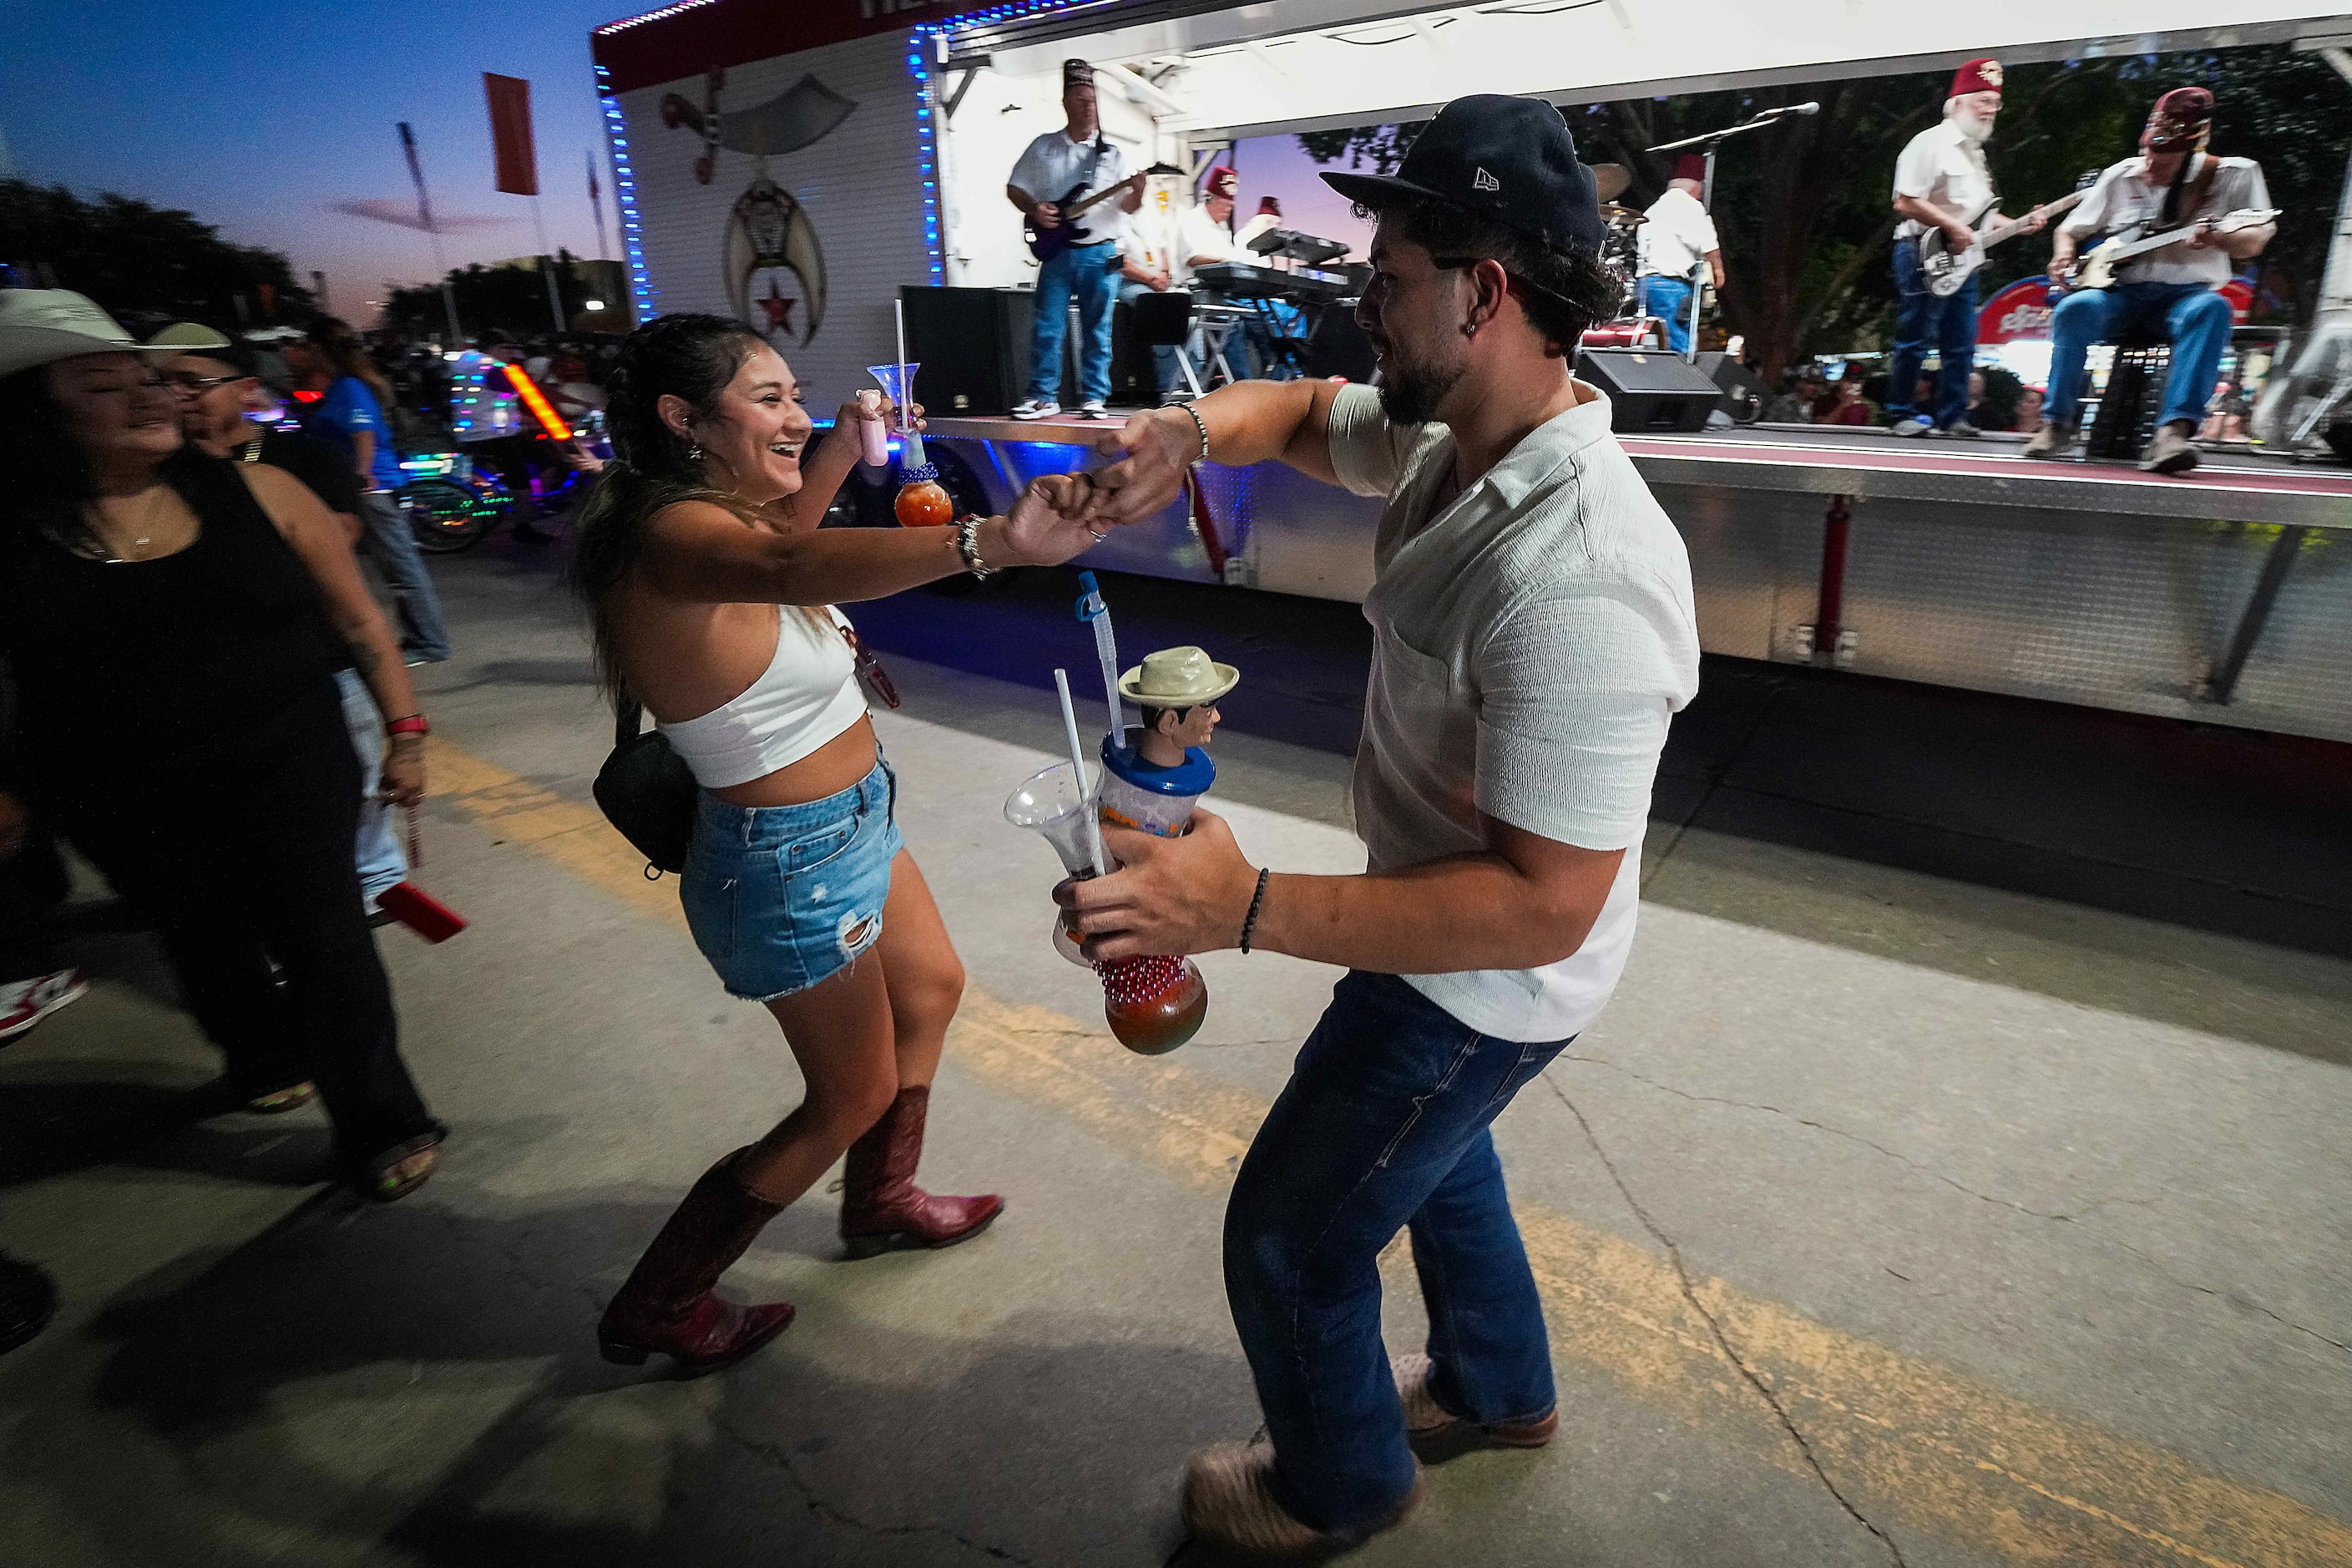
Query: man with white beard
(1942,183)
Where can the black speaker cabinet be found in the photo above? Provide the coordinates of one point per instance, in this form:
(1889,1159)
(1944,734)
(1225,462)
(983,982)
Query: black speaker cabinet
(1744,392)
(974,346)
(1649,390)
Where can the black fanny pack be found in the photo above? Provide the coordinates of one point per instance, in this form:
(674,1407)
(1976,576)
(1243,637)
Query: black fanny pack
(646,790)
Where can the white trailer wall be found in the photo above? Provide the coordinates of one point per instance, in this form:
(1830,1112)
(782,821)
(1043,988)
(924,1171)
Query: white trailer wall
(859,186)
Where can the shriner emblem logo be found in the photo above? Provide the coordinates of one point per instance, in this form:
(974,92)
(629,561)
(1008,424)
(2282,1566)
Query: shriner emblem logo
(1991,72)
(1483,181)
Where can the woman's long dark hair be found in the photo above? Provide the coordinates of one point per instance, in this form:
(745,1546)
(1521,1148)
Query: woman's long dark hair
(51,484)
(333,337)
(688,356)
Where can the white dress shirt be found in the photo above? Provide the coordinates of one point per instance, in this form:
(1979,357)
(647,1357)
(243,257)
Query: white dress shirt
(2123,198)
(1942,166)
(1053,162)
(1677,236)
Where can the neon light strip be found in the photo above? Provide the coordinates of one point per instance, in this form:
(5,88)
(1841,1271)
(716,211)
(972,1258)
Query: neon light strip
(926,150)
(625,23)
(625,196)
(536,401)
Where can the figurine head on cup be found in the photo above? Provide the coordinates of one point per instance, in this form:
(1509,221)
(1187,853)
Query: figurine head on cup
(1178,688)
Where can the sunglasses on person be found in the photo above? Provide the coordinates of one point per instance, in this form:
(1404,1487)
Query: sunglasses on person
(183,382)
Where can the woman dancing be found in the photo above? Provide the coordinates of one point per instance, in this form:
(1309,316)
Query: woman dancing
(710,589)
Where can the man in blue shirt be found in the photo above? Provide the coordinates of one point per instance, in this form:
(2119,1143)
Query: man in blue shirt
(1078,155)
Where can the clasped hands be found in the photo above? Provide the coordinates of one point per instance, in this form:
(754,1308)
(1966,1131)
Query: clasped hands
(1061,514)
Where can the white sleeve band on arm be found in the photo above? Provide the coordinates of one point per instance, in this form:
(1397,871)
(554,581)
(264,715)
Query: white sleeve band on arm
(1576,693)
(1365,452)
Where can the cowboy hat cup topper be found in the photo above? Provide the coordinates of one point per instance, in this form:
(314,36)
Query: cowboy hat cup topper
(1178,677)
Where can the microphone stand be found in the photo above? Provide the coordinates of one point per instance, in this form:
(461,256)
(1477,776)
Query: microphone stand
(1710,140)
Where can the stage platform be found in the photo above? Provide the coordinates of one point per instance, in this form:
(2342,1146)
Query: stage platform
(2220,596)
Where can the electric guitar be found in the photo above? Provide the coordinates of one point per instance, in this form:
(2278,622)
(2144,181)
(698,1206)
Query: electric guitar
(2098,271)
(1945,272)
(1044,243)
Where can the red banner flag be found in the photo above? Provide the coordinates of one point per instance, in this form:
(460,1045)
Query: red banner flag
(509,99)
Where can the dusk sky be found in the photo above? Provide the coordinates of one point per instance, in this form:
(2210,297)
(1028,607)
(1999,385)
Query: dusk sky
(259,118)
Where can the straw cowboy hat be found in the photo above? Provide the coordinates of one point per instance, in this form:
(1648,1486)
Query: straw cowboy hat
(38,326)
(1178,677)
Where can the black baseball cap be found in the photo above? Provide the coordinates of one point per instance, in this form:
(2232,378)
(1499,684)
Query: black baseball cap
(1510,159)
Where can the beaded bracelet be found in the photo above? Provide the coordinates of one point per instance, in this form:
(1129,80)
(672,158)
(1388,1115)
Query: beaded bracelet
(1201,424)
(1249,922)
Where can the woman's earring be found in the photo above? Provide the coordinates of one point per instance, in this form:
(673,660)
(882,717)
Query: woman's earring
(694,452)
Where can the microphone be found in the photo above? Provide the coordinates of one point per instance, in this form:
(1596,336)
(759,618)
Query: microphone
(1801,108)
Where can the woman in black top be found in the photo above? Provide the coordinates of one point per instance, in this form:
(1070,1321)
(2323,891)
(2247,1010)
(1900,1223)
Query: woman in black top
(175,623)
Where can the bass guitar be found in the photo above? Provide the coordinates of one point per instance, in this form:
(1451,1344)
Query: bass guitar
(1945,269)
(2098,271)
(1047,242)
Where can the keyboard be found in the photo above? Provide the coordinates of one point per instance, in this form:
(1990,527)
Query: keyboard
(1299,286)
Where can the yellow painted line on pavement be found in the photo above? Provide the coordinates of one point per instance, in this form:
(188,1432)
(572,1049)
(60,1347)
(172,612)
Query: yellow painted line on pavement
(1915,1444)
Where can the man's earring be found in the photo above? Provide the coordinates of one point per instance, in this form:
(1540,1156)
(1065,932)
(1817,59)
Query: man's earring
(1470,329)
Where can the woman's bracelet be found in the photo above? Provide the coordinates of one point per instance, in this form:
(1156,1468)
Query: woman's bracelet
(1202,426)
(967,539)
(1258,900)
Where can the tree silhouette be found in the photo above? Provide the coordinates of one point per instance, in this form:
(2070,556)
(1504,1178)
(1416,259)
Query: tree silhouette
(143,263)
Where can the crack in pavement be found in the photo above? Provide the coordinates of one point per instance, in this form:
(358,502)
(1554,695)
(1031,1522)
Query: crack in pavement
(824,1512)
(1722,1340)
(2148,1260)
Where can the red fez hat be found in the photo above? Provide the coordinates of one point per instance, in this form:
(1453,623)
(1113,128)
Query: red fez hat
(1221,181)
(1076,73)
(2183,115)
(1270,206)
(1977,76)
(1691,166)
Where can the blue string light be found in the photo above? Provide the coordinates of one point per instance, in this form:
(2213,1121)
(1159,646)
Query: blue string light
(625,196)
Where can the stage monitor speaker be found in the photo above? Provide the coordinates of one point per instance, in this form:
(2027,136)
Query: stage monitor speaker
(1744,392)
(1658,393)
(974,348)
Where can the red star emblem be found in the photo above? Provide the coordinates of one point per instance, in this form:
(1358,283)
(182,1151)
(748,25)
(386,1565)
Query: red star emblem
(779,309)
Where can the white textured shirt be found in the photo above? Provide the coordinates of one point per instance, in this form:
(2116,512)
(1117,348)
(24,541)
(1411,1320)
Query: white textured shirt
(1942,166)
(1053,162)
(1677,236)
(1531,639)
(2124,198)
(1198,233)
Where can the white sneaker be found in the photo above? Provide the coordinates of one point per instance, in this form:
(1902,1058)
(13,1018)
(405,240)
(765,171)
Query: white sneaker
(25,1002)
(1915,426)
(1030,408)
(1092,408)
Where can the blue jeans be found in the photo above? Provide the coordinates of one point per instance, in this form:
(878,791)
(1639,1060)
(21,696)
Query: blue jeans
(381,861)
(414,604)
(1383,1124)
(1669,299)
(1088,272)
(1164,373)
(2192,315)
(1922,322)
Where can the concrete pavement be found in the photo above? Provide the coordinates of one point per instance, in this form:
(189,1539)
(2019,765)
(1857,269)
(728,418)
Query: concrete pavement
(1884,1217)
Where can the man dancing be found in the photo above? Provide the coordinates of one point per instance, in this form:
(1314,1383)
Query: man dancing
(2171,292)
(1534,631)
(1942,186)
(1077,156)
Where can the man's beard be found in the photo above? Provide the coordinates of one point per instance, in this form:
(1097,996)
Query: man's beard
(1410,394)
(1969,123)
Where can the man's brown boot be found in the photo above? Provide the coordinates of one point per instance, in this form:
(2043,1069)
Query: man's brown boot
(1229,1503)
(1425,1420)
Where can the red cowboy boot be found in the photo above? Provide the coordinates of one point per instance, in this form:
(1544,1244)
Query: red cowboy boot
(881,1207)
(667,1306)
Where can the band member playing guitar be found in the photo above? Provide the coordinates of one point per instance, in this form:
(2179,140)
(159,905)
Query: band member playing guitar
(1943,189)
(2221,210)
(1068,170)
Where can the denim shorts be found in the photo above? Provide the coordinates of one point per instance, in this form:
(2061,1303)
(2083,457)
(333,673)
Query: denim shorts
(781,897)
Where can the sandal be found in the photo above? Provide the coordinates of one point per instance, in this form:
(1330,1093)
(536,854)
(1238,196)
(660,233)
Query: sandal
(278,1101)
(403,1168)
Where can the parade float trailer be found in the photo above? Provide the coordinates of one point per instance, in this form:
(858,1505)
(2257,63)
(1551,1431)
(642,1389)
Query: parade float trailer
(798,164)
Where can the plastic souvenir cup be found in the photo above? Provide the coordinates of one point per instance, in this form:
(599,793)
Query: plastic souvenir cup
(1153,1004)
(921,502)
(1155,800)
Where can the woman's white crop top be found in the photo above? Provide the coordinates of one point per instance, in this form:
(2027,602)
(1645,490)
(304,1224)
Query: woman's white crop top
(806,696)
